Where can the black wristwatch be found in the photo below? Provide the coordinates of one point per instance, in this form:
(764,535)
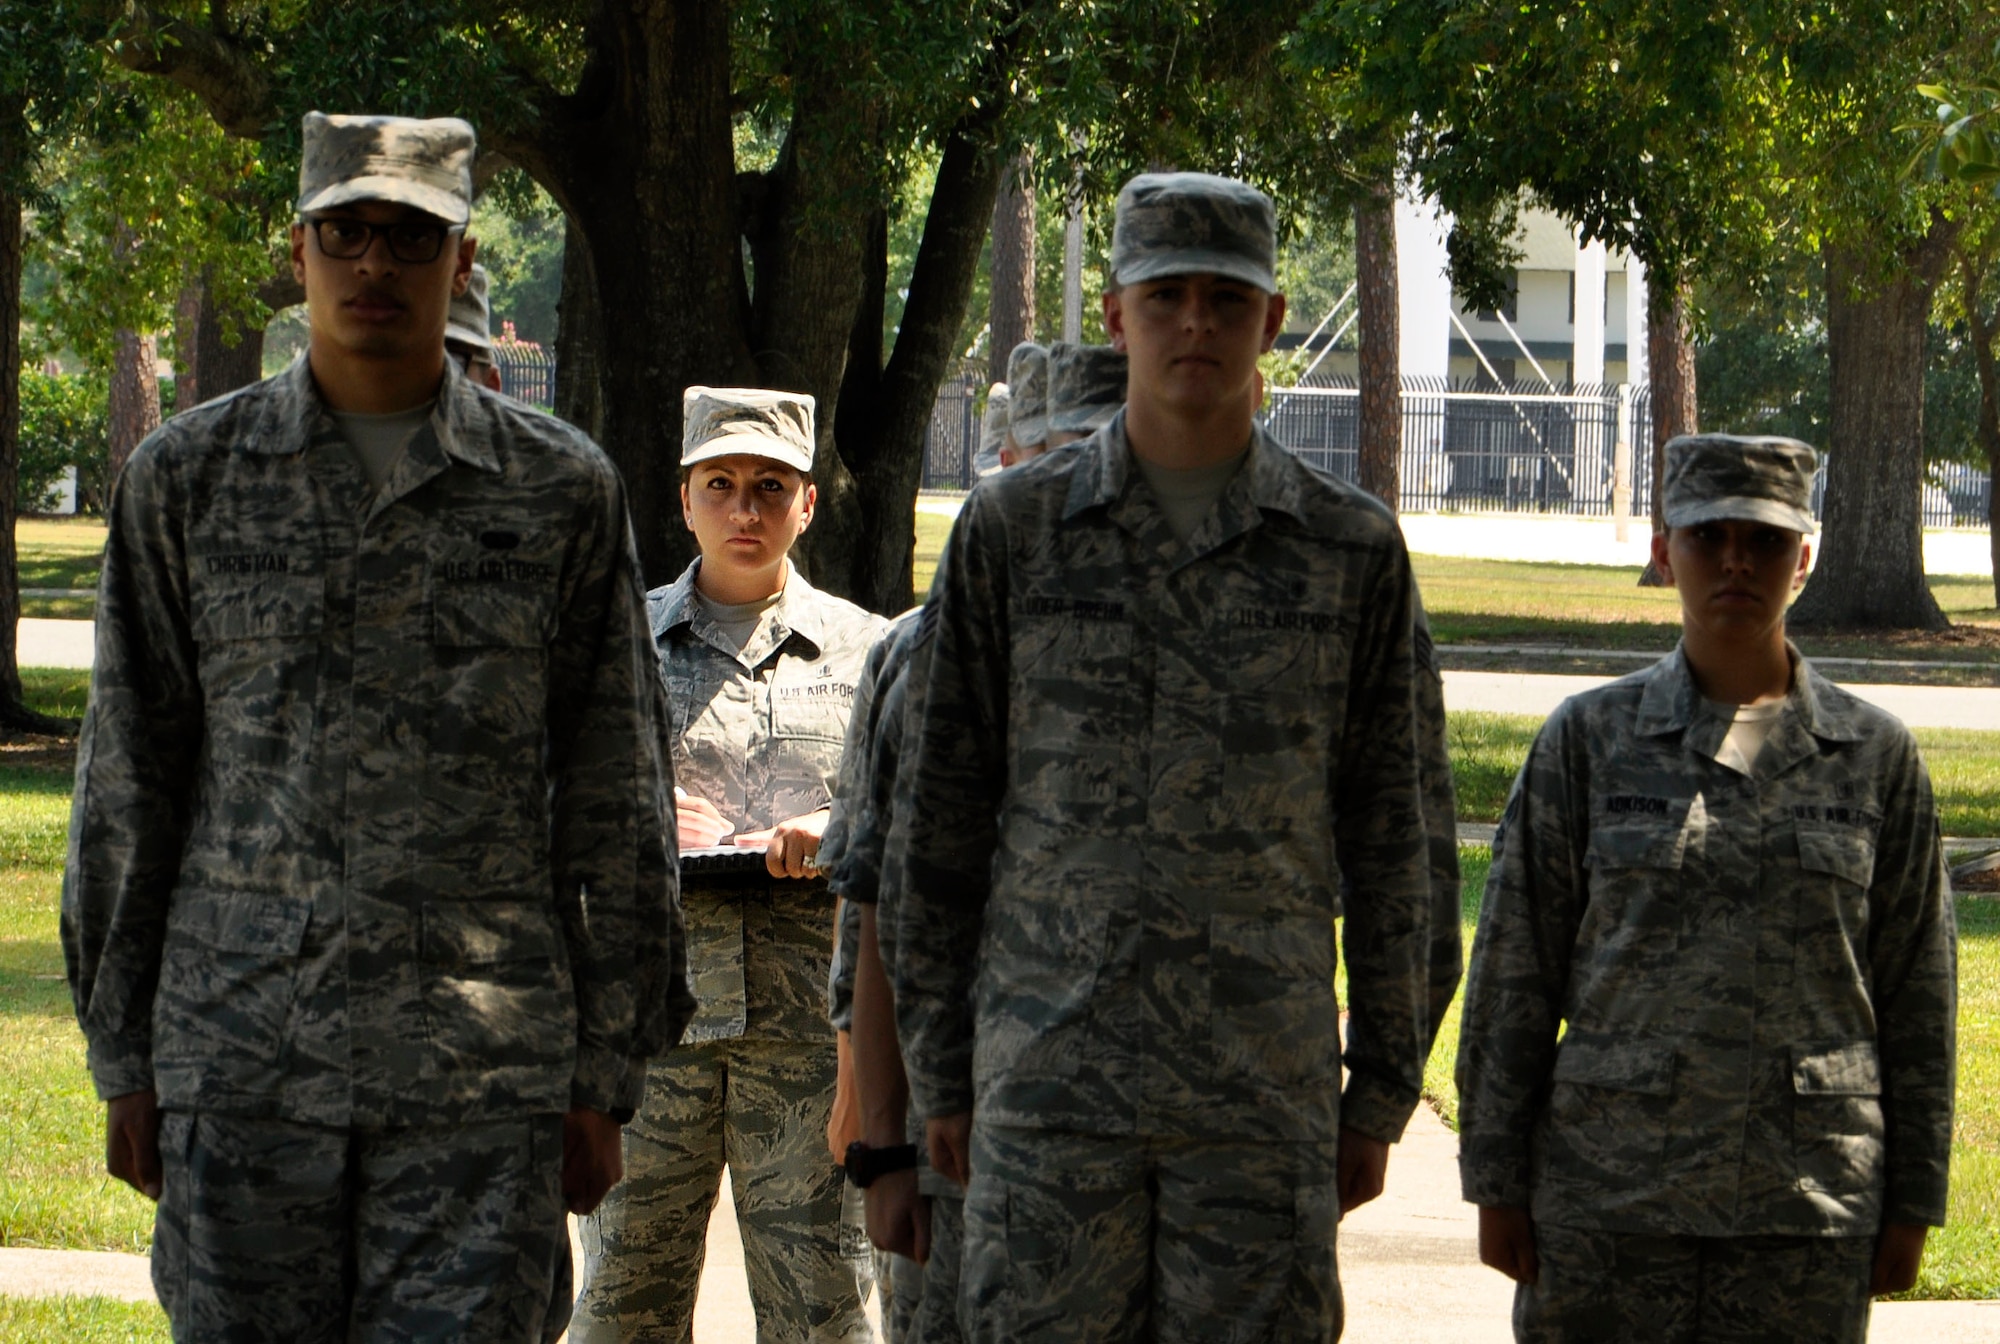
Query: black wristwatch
(865,1165)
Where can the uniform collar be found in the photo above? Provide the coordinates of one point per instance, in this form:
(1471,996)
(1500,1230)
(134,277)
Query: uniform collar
(1671,701)
(458,422)
(797,613)
(1269,481)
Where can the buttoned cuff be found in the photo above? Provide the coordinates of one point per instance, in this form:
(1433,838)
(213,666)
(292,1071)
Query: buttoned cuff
(120,1067)
(606,1080)
(1374,1109)
(1917,1199)
(935,1097)
(1492,1174)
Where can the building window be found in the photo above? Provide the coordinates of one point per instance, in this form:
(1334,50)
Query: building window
(1512,308)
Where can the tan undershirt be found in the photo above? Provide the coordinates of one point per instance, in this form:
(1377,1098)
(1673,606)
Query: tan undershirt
(1187,495)
(379,441)
(1750,728)
(738,621)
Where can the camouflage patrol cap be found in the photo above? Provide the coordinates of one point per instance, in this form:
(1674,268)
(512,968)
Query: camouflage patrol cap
(1028,393)
(471,321)
(426,164)
(992,430)
(1086,386)
(1762,479)
(1194,224)
(719,421)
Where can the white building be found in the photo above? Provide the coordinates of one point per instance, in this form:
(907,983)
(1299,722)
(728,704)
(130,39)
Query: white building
(1577,315)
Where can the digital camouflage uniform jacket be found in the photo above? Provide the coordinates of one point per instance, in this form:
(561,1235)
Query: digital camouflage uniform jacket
(850,852)
(759,735)
(371,818)
(1136,763)
(1757,974)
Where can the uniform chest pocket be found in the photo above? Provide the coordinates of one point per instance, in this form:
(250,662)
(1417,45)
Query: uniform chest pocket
(1072,700)
(812,709)
(1837,1129)
(232,605)
(492,615)
(1273,1022)
(1655,840)
(1844,852)
(1608,1110)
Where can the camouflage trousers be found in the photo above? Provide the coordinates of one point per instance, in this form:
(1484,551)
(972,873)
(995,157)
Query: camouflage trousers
(760,1107)
(925,1300)
(296,1234)
(1622,1288)
(1112,1238)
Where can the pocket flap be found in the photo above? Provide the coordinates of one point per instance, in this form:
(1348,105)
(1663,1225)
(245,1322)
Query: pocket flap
(1641,840)
(492,615)
(263,923)
(1628,1066)
(229,605)
(1841,851)
(1840,1071)
(485,932)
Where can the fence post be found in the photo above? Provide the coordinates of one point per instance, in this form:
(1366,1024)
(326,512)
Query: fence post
(1621,466)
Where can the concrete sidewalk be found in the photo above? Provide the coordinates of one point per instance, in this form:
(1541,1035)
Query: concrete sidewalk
(1409,1268)
(1537,693)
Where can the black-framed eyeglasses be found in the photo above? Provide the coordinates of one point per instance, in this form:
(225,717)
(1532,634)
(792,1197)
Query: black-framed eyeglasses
(414,242)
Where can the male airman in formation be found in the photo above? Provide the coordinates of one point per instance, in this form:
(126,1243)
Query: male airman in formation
(370,999)
(370,908)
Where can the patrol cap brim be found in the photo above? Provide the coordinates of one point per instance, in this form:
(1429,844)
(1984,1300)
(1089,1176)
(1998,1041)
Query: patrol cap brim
(751,442)
(1194,261)
(448,206)
(1028,430)
(458,334)
(1086,421)
(1743,508)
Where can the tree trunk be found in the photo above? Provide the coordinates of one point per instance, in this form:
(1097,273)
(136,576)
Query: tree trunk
(579,339)
(228,354)
(641,159)
(134,409)
(14,714)
(187,317)
(888,446)
(1380,341)
(1011,313)
(1670,367)
(1870,572)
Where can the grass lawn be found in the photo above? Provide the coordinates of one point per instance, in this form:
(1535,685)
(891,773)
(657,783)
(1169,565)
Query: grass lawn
(59,553)
(1962,1259)
(81,1320)
(1487,751)
(1602,607)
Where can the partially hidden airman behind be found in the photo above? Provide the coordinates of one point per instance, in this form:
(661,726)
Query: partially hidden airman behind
(1706,1069)
(1027,403)
(1169,732)
(468,335)
(992,431)
(370,908)
(1086,388)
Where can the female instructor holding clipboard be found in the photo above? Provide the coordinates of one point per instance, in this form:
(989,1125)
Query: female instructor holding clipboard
(759,669)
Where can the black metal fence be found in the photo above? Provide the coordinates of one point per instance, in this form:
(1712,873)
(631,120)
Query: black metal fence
(527,373)
(953,438)
(1467,447)
(1484,448)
